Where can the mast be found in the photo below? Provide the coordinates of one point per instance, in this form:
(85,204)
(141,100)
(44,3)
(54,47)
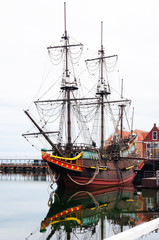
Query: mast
(102,97)
(66,41)
(132,121)
(67,77)
(67,85)
(102,90)
(122,111)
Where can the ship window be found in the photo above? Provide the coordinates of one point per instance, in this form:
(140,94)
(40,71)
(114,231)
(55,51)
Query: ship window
(76,154)
(71,155)
(154,135)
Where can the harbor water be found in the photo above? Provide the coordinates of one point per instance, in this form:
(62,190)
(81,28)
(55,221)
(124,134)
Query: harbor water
(33,209)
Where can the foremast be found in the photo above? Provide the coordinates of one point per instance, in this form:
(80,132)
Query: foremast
(67,85)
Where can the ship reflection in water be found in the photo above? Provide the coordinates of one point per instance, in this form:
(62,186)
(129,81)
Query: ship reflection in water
(98,214)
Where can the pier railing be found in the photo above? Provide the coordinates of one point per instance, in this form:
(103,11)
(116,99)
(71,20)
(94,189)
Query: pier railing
(19,161)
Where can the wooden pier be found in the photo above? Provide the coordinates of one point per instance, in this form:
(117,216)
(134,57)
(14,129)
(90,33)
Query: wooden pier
(23,166)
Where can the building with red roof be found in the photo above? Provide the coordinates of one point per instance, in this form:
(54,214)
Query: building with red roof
(140,141)
(147,144)
(151,143)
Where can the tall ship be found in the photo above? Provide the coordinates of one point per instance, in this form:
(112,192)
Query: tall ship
(72,121)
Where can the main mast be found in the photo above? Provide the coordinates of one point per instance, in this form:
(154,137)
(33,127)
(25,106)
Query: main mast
(102,89)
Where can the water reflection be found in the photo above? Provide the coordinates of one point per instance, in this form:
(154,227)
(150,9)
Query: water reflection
(24,177)
(98,214)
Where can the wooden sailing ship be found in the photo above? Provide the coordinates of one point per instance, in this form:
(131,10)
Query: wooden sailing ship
(78,160)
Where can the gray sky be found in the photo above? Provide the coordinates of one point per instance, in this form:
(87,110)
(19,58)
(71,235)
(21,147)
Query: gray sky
(27,28)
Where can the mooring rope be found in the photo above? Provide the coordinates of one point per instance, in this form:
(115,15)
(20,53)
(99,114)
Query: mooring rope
(52,175)
(90,181)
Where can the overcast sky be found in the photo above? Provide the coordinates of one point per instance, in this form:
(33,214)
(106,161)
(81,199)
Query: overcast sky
(27,28)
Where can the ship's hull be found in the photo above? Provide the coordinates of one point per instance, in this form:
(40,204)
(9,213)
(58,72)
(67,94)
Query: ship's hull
(114,174)
(88,168)
(106,180)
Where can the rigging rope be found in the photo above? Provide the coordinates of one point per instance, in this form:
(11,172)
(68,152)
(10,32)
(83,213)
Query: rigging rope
(55,59)
(96,125)
(60,137)
(127,119)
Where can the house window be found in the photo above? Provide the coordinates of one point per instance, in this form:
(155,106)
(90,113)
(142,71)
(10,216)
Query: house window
(154,135)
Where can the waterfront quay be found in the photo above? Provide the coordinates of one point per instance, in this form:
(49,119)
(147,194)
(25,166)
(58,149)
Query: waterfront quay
(23,166)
